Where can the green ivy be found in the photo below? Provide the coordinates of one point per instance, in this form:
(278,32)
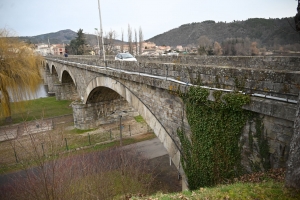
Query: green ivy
(211,154)
(263,144)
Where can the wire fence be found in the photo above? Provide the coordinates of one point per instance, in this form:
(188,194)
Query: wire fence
(50,137)
(31,127)
(113,132)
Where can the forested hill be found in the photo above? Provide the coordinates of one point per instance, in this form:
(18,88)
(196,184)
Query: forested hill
(59,37)
(268,32)
(63,36)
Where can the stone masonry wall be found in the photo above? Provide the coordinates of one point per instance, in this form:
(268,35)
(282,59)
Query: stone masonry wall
(279,77)
(88,116)
(253,62)
(274,76)
(265,143)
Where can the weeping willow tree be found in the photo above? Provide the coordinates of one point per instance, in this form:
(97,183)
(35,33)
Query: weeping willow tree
(20,74)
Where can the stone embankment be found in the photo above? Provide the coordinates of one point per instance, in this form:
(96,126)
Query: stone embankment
(15,130)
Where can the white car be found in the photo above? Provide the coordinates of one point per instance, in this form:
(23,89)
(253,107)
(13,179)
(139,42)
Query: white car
(125,57)
(172,54)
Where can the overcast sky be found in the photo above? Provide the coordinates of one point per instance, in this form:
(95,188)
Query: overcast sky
(35,17)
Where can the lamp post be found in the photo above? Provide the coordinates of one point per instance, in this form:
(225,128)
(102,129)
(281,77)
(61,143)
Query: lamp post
(98,41)
(101,30)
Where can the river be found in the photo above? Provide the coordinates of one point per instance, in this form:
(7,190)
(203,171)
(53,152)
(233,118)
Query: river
(41,92)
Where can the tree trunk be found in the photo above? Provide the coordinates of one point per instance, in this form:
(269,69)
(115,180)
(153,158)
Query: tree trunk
(292,178)
(6,103)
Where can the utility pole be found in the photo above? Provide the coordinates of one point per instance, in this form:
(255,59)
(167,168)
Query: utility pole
(98,41)
(101,30)
(49,46)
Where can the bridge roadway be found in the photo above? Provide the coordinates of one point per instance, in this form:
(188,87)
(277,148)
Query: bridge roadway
(98,87)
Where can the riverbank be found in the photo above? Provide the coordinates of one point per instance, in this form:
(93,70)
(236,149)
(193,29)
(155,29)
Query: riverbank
(37,109)
(17,130)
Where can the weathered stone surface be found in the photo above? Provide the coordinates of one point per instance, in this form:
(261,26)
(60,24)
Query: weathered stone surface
(292,178)
(155,97)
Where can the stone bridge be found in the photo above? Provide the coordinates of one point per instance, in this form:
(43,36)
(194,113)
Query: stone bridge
(104,91)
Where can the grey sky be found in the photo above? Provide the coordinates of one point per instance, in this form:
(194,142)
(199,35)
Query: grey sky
(35,17)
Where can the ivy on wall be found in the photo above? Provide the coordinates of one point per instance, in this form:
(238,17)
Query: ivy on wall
(211,154)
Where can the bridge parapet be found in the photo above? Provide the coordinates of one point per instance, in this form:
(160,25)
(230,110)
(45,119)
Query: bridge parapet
(291,63)
(272,76)
(254,62)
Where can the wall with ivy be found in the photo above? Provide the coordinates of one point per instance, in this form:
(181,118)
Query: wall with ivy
(226,140)
(265,142)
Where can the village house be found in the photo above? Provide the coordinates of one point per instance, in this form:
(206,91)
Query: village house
(149,45)
(58,49)
(179,48)
(42,49)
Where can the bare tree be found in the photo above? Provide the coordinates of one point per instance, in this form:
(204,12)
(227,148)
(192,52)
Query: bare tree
(130,49)
(217,49)
(141,40)
(136,42)
(118,171)
(236,46)
(254,49)
(109,41)
(204,45)
(122,38)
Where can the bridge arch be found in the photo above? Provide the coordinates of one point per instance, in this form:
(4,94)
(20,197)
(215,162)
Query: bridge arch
(53,69)
(51,77)
(100,94)
(65,74)
(138,104)
(46,66)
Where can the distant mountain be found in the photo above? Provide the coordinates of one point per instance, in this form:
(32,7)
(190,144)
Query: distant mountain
(63,36)
(268,32)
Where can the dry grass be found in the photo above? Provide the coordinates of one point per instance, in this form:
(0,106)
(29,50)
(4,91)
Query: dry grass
(65,138)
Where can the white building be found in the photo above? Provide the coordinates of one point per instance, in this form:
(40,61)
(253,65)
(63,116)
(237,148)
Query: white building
(43,49)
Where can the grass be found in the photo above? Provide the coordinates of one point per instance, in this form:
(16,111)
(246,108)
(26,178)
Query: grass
(12,166)
(38,109)
(78,138)
(139,119)
(85,140)
(265,190)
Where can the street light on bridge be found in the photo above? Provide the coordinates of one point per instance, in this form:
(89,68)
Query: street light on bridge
(101,30)
(98,41)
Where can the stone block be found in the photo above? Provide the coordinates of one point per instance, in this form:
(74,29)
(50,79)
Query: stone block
(285,139)
(288,131)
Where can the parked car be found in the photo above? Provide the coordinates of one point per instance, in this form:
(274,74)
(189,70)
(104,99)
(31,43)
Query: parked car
(172,54)
(125,57)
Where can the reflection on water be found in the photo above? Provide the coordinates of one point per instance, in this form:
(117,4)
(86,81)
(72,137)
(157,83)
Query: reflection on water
(40,93)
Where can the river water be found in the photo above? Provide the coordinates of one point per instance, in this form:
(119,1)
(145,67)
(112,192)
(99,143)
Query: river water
(41,92)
